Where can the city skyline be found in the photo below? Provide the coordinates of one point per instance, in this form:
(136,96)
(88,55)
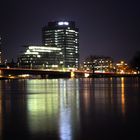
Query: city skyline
(106,28)
(60,48)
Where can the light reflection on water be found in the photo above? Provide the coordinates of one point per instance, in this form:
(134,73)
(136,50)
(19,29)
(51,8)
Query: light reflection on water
(54,102)
(122,96)
(0,111)
(68,109)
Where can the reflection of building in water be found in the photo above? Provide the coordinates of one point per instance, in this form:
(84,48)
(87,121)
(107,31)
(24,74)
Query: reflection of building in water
(50,99)
(86,96)
(68,102)
(1,110)
(0,114)
(122,96)
(103,94)
(42,105)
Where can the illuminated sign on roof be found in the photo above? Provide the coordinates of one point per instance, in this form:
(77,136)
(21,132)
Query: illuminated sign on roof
(63,23)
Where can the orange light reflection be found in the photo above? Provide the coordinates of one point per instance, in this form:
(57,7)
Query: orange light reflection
(122,96)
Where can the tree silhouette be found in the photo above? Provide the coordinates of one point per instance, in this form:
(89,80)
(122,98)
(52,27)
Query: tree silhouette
(135,62)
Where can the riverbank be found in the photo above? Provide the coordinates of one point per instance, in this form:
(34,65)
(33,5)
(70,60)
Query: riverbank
(99,75)
(95,75)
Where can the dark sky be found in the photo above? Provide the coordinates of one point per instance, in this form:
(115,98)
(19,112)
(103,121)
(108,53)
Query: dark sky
(107,27)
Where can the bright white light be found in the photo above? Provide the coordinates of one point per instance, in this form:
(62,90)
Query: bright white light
(66,23)
(86,75)
(63,23)
(71,31)
(54,66)
(31,53)
(38,56)
(60,23)
(43,48)
(61,62)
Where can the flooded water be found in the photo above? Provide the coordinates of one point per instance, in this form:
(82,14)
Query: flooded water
(70,109)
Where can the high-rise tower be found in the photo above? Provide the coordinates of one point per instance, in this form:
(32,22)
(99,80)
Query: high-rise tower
(63,35)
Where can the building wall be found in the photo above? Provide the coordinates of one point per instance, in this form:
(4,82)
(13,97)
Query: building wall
(98,64)
(63,35)
(40,57)
(60,48)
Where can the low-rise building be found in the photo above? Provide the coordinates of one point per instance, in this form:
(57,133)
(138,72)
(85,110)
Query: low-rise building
(39,57)
(122,67)
(98,64)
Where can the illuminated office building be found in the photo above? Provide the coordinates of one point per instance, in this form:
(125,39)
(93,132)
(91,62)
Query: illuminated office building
(65,36)
(60,48)
(39,57)
(98,63)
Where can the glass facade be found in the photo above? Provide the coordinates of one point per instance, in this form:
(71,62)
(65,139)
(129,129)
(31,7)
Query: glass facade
(41,57)
(60,48)
(63,35)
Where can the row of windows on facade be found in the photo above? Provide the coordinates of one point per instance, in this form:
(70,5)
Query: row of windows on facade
(72,59)
(62,39)
(60,31)
(98,63)
(69,53)
(53,57)
(60,34)
(62,43)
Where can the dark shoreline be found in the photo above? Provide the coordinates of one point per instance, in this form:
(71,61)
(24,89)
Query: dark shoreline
(96,75)
(104,75)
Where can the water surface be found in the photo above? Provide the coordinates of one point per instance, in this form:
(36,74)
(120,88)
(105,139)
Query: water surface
(70,109)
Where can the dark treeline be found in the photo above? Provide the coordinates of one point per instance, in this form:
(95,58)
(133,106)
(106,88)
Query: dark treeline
(135,61)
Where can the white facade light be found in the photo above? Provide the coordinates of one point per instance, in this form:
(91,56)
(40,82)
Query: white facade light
(63,23)
(66,23)
(38,56)
(61,62)
(60,23)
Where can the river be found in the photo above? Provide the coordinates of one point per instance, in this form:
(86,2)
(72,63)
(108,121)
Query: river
(70,109)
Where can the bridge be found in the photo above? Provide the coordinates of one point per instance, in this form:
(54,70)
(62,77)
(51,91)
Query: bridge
(49,73)
(42,73)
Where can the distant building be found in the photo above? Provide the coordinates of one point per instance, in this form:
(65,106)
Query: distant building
(122,67)
(98,64)
(65,36)
(39,57)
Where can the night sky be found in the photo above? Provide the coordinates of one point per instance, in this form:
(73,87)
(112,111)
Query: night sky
(107,27)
